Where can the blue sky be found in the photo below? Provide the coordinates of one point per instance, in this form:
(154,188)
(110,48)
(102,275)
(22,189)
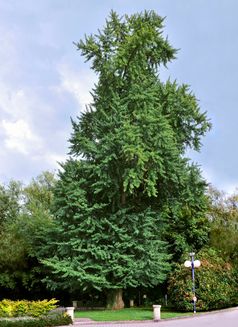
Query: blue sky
(44,81)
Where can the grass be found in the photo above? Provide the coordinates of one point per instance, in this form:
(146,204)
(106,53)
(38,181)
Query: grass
(127,314)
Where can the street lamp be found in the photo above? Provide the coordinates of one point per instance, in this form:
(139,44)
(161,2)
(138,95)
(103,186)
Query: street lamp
(193,264)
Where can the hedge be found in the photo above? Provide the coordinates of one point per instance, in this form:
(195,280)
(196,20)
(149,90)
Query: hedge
(46,321)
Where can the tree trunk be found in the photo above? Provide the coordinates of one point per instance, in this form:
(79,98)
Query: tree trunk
(123,198)
(114,299)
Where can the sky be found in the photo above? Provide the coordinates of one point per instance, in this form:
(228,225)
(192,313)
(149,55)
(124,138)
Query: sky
(44,80)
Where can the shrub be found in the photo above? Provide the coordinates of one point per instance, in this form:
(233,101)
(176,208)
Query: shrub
(21,308)
(22,323)
(46,321)
(216,285)
(39,308)
(56,320)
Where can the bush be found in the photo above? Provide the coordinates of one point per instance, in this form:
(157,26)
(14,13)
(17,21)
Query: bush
(47,321)
(22,323)
(56,320)
(21,308)
(216,284)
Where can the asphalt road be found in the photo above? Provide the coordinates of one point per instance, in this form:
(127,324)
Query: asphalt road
(225,318)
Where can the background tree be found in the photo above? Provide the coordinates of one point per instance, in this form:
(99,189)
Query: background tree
(11,248)
(25,212)
(36,215)
(10,196)
(130,181)
(223,214)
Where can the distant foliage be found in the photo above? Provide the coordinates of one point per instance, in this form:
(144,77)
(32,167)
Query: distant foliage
(223,214)
(24,218)
(10,197)
(216,284)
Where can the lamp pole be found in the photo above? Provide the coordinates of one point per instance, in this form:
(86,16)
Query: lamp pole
(193,264)
(192,254)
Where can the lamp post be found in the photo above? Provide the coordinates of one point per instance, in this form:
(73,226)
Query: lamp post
(193,264)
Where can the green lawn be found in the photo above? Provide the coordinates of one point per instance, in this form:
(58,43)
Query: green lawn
(126,314)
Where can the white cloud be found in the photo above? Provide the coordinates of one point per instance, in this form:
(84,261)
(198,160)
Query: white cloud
(79,84)
(17,120)
(8,50)
(19,136)
(222,182)
(51,158)
(14,102)
(30,131)
(229,188)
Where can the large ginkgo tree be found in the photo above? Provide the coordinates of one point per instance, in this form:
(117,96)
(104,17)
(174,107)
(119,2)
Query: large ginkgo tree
(128,198)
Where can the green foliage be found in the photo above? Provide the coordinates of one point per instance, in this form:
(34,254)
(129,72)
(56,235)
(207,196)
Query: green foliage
(223,214)
(104,251)
(12,247)
(36,216)
(188,225)
(46,321)
(216,284)
(21,308)
(10,197)
(137,130)
(119,203)
(56,320)
(22,323)
(25,218)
